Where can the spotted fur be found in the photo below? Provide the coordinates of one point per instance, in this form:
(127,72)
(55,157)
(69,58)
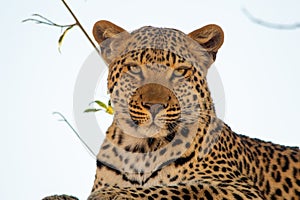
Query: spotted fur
(158,75)
(217,163)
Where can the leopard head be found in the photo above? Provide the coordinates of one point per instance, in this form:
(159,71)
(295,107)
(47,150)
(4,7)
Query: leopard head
(157,83)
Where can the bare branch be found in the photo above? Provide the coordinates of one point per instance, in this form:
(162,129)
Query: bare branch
(65,28)
(63,119)
(270,24)
(80,26)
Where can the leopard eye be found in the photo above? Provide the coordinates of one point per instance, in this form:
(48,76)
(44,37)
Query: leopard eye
(135,69)
(181,71)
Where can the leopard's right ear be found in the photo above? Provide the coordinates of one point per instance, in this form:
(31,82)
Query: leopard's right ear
(110,38)
(105,29)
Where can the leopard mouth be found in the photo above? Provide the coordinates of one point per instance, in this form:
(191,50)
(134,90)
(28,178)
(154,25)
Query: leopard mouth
(152,130)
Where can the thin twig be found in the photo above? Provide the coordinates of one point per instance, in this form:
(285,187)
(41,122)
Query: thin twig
(269,24)
(46,22)
(80,26)
(78,136)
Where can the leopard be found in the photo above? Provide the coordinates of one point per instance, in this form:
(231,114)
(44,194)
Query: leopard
(166,141)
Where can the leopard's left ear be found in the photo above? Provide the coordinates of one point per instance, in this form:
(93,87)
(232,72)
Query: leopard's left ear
(210,37)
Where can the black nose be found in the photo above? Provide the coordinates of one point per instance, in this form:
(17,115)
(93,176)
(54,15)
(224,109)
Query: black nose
(154,109)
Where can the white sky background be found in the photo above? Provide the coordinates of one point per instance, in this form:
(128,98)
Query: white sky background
(40,156)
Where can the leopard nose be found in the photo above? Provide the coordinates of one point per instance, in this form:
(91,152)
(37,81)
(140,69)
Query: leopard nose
(154,109)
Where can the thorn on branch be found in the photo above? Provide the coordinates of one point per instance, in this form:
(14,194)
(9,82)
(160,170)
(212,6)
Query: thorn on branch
(270,24)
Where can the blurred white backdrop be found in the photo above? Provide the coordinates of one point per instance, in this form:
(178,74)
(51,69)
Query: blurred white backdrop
(259,68)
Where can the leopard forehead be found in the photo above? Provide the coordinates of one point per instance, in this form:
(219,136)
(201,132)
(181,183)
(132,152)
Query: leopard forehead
(163,39)
(158,38)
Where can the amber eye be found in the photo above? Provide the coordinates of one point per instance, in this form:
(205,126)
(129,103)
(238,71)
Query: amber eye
(181,71)
(135,69)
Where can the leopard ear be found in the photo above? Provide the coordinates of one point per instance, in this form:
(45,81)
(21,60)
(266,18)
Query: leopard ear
(210,37)
(110,38)
(105,29)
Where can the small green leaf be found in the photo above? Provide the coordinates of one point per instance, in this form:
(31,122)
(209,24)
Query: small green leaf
(100,103)
(61,38)
(91,110)
(107,108)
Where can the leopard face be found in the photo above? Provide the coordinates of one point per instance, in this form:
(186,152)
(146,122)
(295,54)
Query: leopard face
(151,98)
(157,83)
